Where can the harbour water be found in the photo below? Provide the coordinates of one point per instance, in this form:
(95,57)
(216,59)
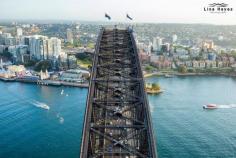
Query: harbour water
(40,121)
(28,129)
(183,128)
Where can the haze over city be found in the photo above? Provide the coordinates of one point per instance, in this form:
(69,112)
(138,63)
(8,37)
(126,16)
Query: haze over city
(154,11)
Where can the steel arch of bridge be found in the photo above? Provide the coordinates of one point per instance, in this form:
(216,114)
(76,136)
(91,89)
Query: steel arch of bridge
(117,120)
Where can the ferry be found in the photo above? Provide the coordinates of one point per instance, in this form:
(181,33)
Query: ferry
(210,106)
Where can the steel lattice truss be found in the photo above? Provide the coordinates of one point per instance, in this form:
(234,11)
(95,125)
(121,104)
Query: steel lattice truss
(117,119)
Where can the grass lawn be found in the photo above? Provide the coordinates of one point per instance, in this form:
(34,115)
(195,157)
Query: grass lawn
(84,63)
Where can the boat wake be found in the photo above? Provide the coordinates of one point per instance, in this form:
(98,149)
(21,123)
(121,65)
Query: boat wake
(61,119)
(40,105)
(228,106)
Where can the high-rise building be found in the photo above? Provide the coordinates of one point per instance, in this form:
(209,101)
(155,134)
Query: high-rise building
(149,47)
(19,32)
(69,35)
(157,43)
(43,48)
(55,48)
(38,47)
(174,38)
(165,47)
(154,44)
(11,41)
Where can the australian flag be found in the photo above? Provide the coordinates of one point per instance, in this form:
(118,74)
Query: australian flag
(107,16)
(129,17)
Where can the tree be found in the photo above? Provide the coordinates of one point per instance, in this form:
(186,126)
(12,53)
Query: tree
(43,65)
(233,52)
(90,45)
(6,54)
(182,69)
(156,86)
(191,70)
(149,68)
(30,63)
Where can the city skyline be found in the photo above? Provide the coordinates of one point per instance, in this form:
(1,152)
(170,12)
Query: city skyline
(150,11)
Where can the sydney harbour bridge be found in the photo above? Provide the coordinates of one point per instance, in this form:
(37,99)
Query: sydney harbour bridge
(117,120)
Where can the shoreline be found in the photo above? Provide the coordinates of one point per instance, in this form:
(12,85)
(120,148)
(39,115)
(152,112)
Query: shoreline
(148,75)
(86,84)
(46,82)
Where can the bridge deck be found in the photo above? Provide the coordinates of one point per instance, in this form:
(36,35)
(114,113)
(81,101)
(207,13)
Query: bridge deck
(117,119)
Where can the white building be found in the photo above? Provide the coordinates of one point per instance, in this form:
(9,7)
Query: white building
(157,43)
(174,38)
(43,48)
(54,48)
(6,38)
(38,46)
(69,35)
(19,32)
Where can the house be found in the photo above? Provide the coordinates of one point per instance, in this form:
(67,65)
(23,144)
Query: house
(179,63)
(213,64)
(195,64)
(202,64)
(188,64)
(219,64)
(231,60)
(162,64)
(144,57)
(208,63)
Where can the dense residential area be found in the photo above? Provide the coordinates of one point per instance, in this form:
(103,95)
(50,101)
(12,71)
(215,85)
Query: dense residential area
(188,48)
(63,52)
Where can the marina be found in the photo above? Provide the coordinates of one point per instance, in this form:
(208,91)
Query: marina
(46,82)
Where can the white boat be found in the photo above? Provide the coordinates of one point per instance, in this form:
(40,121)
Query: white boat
(169,76)
(41,105)
(62,91)
(210,106)
(44,106)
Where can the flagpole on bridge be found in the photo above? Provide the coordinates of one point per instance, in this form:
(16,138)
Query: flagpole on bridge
(129,18)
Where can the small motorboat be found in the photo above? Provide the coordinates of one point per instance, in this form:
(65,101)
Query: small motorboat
(62,91)
(210,106)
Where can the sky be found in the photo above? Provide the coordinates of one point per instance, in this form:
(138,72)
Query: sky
(154,11)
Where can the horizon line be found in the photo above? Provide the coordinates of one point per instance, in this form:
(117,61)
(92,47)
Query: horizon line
(105,21)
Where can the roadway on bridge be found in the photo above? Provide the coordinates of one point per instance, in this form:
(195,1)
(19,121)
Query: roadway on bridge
(117,119)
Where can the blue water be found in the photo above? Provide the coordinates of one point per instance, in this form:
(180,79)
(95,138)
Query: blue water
(182,127)
(28,131)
